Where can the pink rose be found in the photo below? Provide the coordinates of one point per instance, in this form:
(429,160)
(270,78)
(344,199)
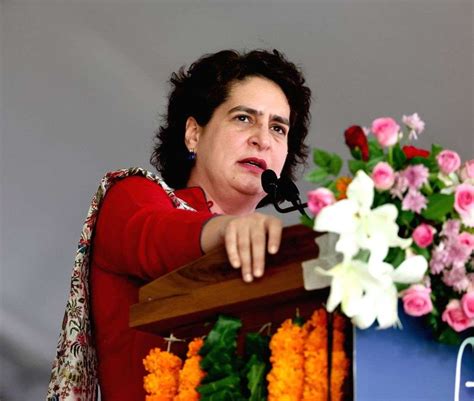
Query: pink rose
(448,161)
(464,203)
(467,239)
(456,318)
(467,303)
(319,199)
(417,301)
(423,235)
(383,176)
(467,171)
(386,131)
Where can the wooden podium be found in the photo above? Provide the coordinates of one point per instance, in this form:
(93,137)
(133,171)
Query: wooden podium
(186,301)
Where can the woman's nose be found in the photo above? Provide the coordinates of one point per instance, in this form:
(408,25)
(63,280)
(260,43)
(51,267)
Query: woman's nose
(260,137)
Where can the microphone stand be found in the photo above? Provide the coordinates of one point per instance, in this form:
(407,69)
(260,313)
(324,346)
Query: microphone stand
(300,207)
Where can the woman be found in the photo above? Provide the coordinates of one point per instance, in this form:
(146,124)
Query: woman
(230,117)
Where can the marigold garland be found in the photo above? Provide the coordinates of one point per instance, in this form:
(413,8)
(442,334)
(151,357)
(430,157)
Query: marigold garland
(162,381)
(285,380)
(191,374)
(339,359)
(316,358)
(299,359)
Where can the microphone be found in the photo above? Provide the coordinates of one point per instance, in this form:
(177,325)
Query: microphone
(270,184)
(291,193)
(282,188)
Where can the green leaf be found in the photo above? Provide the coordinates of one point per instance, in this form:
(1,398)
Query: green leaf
(317,176)
(375,150)
(356,165)
(321,158)
(307,221)
(257,353)
(405,218)
(399,158)
(401,287)
(335,164)
(220,361)
(435,150)
(228,383)
(449,336)
(332,186)
(356,153)
(258,345)
(421,160)
(421,251)
(256,380)
(395,256)
(439,205)
(373,162)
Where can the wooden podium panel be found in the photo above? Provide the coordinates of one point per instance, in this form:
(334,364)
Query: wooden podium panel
(187,301)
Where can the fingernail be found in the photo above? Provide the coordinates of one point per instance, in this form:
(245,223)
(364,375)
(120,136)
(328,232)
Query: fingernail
(248,278)
(235,263)
(258,273)
(273,249)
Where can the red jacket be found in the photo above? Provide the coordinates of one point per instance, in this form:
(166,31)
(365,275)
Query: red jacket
(139,236)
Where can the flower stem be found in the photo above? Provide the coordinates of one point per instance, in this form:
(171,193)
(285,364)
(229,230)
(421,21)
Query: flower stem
(390,155)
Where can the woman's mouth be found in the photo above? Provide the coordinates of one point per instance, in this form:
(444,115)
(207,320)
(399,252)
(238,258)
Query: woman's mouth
(254,164)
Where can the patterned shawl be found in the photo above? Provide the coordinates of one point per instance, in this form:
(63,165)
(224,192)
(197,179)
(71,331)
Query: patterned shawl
(74,372)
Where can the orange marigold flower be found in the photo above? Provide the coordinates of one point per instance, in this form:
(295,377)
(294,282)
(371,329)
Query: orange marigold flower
(285,380)
(162,381)
(339,359)
(316,357)
(341,185)
(161,360)
(194,347)
(191,375)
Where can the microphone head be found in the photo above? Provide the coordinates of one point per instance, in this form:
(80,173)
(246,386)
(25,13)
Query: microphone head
(288,189)
(269,182)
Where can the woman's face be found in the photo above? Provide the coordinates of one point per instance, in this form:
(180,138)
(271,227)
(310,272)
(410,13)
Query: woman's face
(246,135)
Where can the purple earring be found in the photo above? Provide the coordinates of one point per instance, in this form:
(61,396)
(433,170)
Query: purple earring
(191,155)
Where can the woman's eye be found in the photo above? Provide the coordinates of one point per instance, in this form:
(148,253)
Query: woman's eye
(279,130)
(242,118)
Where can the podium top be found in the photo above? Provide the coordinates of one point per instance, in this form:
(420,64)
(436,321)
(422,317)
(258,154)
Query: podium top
(209,285)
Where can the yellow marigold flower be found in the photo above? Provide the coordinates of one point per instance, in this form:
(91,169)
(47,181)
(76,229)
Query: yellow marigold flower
(341,185)
(339,359)
(316,356)
(191,375)
(285,380)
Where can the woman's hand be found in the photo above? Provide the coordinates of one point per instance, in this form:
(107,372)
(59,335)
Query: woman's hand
(246,239)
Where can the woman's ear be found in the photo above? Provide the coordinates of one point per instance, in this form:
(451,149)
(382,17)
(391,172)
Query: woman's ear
(192,133)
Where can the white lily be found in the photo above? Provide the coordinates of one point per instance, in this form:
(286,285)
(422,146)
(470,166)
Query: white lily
(367,291)
(359,226)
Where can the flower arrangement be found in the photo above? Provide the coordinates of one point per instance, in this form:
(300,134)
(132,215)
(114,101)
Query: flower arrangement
(291,365)
(405,220)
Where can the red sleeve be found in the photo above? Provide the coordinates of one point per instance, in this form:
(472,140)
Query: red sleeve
(140,233)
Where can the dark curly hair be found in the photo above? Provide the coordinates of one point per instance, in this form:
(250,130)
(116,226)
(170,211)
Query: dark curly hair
(198,91)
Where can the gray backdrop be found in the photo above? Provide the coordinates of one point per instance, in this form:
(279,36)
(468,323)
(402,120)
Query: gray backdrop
(82,85)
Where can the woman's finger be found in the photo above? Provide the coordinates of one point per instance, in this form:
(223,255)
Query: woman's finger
(257,236)
(274,227)
(243,245)
(231,246)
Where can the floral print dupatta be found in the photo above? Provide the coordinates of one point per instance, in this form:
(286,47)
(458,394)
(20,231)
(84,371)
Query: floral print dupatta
(74,372)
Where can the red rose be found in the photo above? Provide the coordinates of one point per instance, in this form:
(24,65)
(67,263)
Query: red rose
(356,139)
(412,151)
